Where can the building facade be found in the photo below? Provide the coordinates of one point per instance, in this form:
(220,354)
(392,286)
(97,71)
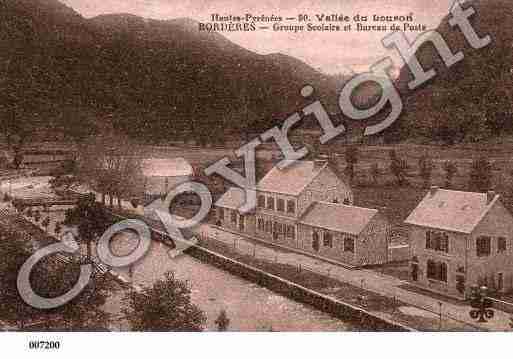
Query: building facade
(353,235)
(460,239)
(161,175)
(288,202)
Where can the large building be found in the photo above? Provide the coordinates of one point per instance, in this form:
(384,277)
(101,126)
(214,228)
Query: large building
(161,175)
(307,206)
(459,239)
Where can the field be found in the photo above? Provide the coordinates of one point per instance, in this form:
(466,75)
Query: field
(385,195)
(397,201)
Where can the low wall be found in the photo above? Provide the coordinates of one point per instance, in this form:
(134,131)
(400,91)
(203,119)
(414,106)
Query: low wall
(358,317)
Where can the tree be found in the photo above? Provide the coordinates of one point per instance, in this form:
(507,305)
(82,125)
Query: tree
(37,216)
(58,228)
(91,220)
(86,309)
(451,169)
(222,321)
(46,223)
(14,252)
(18,205)
(480,175)
(49,278)
(351,156)
(164,307)
(111,164)
(65,182)
(375,173)
(398,167)
(18,159)
(426,169)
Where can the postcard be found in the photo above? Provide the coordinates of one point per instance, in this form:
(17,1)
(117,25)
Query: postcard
(320,167)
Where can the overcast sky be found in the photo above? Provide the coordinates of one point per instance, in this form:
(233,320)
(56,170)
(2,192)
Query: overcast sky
(328,52)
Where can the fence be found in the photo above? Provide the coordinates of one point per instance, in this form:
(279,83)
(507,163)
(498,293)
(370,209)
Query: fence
(259,251)
(345,311)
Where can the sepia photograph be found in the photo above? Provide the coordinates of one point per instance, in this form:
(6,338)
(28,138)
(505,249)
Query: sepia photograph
(340,169)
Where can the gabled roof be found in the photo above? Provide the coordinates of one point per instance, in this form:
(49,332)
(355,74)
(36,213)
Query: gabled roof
(338,217)
(292,179)
(234,198)
(166,167)
(452,210)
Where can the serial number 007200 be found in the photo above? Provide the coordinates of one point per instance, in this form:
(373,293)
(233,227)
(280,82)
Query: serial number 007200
(44,345)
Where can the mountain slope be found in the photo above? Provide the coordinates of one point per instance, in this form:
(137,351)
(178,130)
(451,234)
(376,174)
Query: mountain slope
(471,100)
(151,79)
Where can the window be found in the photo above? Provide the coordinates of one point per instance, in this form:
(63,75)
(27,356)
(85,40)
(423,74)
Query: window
(261,201)
(483,246)
(501,244)
(429,244)
(278,227)
(349,245)
(500,281)
(268,226)
(291,232)
(270,203)
(291,206)
(233,217)
(443,242)
(221,213)
(437,241)
(315,241)
(328,240)
(280,206)
(260,224)
(437,270)
(241,223)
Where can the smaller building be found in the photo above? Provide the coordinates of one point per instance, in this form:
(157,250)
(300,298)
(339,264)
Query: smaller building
(161,175)
(228,214)
(349,234)
(459,239)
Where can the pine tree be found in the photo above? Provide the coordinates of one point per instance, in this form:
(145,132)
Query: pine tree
(481,175)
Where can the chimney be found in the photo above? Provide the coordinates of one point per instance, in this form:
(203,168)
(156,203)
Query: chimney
(490,196)
(432,190)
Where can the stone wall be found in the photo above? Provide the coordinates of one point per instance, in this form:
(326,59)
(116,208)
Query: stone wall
(360,318)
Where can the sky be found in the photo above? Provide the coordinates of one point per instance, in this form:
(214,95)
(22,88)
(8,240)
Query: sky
(329,52)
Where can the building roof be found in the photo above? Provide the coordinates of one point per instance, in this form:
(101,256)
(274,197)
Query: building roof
(452,210)
(292,179)
(166,167)
(234,198)
(338,217)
